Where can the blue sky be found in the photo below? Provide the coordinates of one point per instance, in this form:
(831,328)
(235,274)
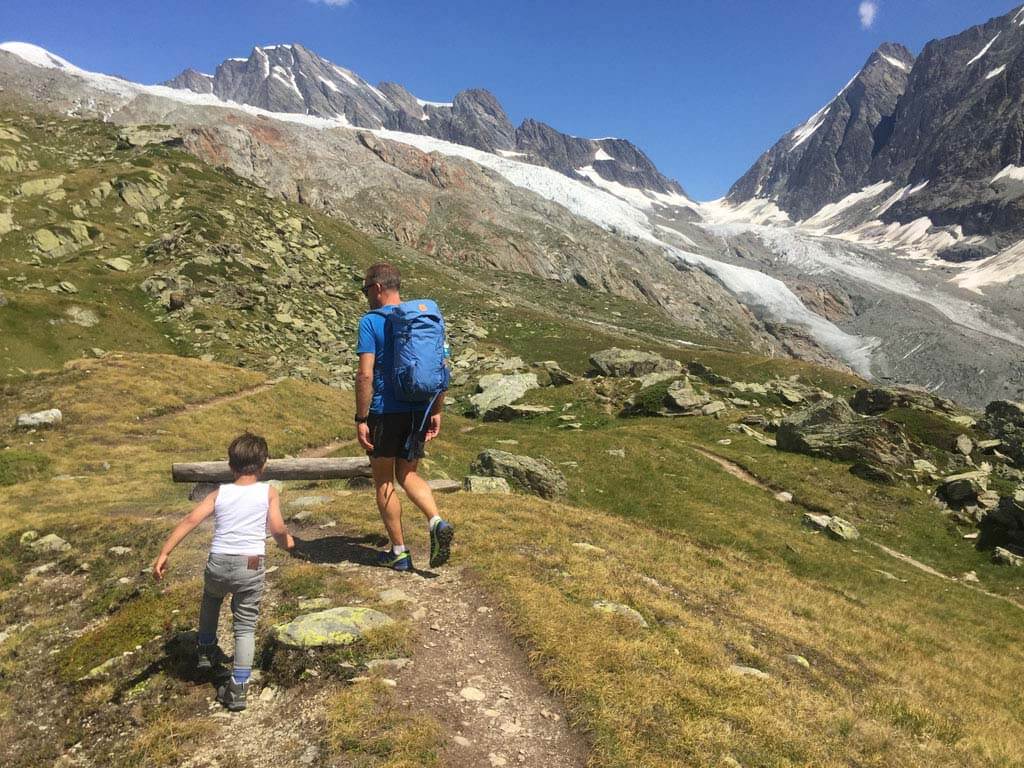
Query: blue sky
(703,86)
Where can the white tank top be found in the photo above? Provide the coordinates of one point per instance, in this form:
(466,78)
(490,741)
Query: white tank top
(240,519)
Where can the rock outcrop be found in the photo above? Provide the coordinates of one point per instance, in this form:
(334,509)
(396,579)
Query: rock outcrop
(538,476)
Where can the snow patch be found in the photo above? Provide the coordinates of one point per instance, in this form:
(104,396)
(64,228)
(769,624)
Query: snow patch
(805,131)
(602,155)
(40,57)
(757,210)
(439,104)
(984,50)
(1001,268)
(641,198)
(996,71)
(328,83)
(1011,172)
(510,153)
(895,62)
(830,211)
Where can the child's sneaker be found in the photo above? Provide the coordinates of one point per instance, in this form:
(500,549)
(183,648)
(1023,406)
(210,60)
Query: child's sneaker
(207,657)
(399,562)
(232,695)
(441,536)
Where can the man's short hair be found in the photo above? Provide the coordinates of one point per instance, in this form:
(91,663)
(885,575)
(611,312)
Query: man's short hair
(247,454)
(385,275)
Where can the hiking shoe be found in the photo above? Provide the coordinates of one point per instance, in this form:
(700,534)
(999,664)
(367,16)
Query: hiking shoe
(400,562)
(441,536)
(232,695)
(207,657)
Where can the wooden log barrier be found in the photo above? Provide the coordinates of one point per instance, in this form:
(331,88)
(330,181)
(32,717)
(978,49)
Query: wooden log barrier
(276,469)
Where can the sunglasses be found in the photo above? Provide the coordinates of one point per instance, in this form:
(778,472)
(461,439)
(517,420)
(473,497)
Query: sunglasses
(366,289)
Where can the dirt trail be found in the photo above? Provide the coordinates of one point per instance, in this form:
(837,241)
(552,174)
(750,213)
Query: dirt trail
(465,672)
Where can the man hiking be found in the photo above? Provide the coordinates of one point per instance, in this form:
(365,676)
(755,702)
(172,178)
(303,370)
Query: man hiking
(400,388)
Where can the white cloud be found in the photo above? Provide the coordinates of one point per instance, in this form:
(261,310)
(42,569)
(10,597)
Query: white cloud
(867,11)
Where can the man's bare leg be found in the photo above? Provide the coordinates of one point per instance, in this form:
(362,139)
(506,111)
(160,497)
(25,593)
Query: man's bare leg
(387,499)
(416,488)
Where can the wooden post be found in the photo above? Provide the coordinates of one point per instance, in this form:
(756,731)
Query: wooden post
(276,469)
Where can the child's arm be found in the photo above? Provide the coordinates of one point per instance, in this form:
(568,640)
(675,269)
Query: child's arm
(276,523)
(202,511)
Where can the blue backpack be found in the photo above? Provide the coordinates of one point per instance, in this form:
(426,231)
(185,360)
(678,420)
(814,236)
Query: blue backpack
(417,332)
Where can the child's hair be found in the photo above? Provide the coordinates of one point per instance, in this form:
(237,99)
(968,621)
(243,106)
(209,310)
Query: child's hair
(247,454)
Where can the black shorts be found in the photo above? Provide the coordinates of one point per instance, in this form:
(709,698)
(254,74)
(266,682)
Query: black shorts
(397,435)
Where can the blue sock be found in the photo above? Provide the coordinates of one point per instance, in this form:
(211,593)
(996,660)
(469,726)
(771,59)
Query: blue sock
(207,639)
(241,675)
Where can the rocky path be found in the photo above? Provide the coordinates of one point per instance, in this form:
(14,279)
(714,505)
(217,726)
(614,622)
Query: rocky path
(466,673)
(470,675)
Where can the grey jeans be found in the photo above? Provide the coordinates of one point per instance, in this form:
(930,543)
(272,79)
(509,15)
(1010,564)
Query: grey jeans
(232,574)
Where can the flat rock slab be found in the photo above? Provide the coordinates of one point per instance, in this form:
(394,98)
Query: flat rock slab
(440,485)
(480,484)
(330,628)
(606,606)
(48,418)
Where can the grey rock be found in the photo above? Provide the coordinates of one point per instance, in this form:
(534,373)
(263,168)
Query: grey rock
(618,609)
(1004,419)
(330,628)
(632,363)
(144,135)
(836,527)
(537,476)
(480,484)
(51,417)
(515,411)
(745,671)
(51,543)
(500,390)
(964,445)
(1003,556)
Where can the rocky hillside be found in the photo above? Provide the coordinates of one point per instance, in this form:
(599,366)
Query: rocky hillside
(291,78)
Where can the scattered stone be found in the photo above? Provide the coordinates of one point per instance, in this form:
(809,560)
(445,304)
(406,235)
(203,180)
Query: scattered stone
(619,453)
(743,671)
(836,527)
(633,615)
(555,373)
(333,627)
(496,760)
(790,396)
(462,741)
(388,665)
(784,496)
(712,408)
(118,264)
(515,411)
(119,551)
(1003,556)
(538,476)
(394,596)
(480,484)
(101,671)
(798,660)
(443,485)
(469,693)
(964,445)
(1005,420)
(268,694)
(82,316)
(305,502)
(41,570)
(314,603)
(48,418)
(28,537)
(971,577)
(633,363)
(41,186)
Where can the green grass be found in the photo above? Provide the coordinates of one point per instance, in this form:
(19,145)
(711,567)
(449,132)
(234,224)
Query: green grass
(19,466)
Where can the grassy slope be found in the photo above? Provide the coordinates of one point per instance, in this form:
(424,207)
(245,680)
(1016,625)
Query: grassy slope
(909,671)
(912,671)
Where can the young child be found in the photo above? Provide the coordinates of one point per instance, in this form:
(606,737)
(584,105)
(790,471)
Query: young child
(242,511)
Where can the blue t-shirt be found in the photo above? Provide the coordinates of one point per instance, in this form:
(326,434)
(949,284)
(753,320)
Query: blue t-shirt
(373,339)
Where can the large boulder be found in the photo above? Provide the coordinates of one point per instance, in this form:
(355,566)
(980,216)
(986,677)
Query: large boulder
(498,390)
(330,628)
(830,429)
(1008,518)
(537,476)
(1004,419)
(872,401)
(633,363)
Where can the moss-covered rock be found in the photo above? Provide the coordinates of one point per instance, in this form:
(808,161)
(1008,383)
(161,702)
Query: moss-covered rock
(330,628)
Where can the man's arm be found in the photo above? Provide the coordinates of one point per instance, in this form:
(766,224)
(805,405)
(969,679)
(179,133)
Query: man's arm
(364,396)
(202,511)
(434,427)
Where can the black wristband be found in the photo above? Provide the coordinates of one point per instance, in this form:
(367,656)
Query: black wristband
(361,419)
